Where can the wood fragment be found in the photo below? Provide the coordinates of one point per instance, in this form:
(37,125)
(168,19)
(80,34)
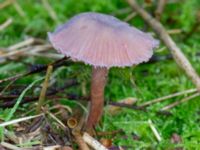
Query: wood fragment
(93,142)
(179,57)
(179,102)
(167,97)
(44,89)
(6,24)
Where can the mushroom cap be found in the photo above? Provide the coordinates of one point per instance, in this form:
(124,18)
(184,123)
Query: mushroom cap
(102,41)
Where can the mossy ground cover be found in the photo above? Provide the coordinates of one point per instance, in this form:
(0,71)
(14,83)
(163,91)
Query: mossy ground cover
(144,82)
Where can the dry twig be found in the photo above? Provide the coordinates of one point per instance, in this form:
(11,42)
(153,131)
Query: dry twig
(179,57)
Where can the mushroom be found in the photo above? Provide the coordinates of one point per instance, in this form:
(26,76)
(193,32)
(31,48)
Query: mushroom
(102,41)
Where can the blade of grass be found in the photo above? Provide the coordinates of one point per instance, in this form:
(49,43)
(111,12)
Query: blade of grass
(18,120)
(13,110)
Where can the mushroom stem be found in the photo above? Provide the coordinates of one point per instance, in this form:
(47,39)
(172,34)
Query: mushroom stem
(99,79)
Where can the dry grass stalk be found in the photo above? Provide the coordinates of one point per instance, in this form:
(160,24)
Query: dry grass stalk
(130,17)
(6,3)
(167,97)
(50,10)
(155,132)
(11,136)
(19,9)
(174,31)
(179,102)
(26,42)
(179,57)
(6,24)
(18,120)
(56,119)
(25,50)
(44,88)
(46,55)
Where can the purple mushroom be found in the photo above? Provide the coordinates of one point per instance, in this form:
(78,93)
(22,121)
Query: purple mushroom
(102,41)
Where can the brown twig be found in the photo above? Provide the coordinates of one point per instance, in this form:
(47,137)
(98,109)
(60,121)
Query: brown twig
(179,57)
(179,102)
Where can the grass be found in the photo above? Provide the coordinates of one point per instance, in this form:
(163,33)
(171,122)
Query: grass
(145,82)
